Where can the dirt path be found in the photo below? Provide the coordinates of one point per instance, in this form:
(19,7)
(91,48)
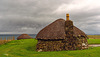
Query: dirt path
(94,45)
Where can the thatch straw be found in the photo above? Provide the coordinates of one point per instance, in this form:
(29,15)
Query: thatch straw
(78,32)
(24,36)
(53,31)
(56,30)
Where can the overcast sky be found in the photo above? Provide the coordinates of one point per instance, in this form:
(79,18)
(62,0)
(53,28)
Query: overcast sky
(30,16)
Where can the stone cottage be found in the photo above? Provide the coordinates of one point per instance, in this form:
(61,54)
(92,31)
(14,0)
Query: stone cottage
(61,35)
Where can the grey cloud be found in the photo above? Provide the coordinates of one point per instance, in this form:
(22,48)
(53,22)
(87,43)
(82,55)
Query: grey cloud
(30,16)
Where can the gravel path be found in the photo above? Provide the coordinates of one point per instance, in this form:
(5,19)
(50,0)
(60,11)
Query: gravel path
(94,45)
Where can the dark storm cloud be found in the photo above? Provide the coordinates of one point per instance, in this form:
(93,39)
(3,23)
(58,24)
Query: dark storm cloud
(30,16)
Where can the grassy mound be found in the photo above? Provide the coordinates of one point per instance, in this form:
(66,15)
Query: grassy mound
(26,48)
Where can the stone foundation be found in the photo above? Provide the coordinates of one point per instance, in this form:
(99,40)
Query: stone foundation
(50,45)
(59,45)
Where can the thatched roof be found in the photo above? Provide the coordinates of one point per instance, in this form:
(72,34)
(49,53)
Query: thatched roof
(24,36)
(78,32)
(56,30)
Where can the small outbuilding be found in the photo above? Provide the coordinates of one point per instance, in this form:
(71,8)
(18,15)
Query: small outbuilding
(61,35)
(24,36)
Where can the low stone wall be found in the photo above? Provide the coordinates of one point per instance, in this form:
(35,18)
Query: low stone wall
(83,43)
(58,45)
(75,43)
(79,43)
(50,45)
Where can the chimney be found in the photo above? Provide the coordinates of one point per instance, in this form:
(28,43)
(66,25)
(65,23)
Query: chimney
(67,17)
(69,33)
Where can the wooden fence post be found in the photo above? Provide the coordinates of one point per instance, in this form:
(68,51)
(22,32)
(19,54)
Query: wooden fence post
(0,40)
(13,37)
(6,39)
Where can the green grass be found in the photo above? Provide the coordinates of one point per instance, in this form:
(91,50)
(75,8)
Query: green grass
(26,48)
(93,41)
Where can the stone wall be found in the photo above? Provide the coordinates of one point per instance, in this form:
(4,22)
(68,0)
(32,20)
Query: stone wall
(55,45)
(81,43)
(77,43)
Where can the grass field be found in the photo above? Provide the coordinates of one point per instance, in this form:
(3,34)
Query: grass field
(26,48)
(93,41)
